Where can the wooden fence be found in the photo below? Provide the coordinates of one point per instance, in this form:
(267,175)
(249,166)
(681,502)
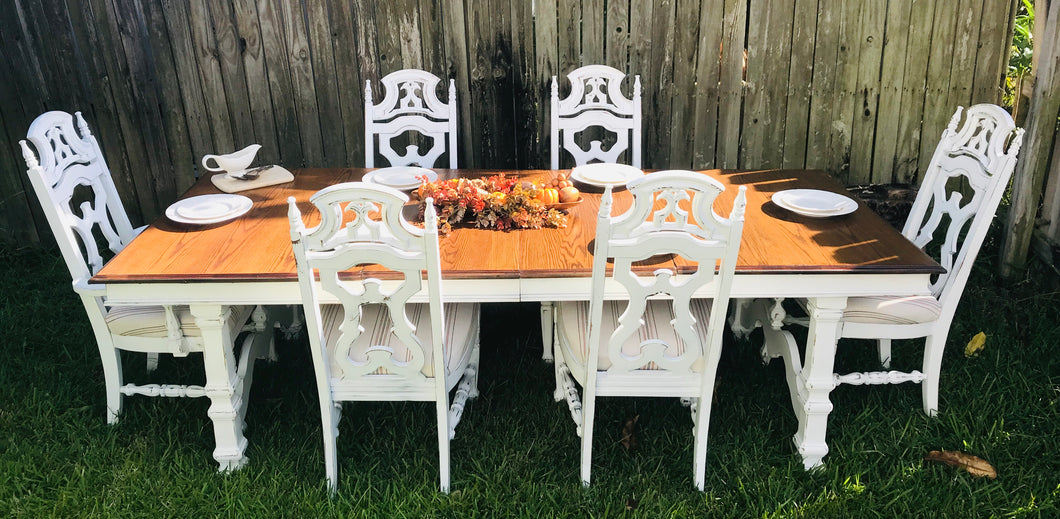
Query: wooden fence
(859,88)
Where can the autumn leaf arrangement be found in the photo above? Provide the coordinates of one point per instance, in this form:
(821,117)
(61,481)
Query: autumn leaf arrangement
(498,202)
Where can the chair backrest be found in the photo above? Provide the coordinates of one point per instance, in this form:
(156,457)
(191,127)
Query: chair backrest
(672,216)
(348,237)
(982,153)
(410,104)
(596,100)
(76,191)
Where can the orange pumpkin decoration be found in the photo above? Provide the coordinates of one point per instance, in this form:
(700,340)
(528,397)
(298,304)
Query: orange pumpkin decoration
(548,195)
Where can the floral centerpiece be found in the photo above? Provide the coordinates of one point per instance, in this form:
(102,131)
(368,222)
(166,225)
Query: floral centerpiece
(497,202)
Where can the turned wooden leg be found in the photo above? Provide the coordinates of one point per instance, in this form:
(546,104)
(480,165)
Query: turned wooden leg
(221,382)
(817,378)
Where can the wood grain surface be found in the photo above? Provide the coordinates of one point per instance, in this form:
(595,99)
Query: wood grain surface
(256,246)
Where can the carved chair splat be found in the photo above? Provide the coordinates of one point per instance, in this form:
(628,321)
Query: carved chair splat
(410,104)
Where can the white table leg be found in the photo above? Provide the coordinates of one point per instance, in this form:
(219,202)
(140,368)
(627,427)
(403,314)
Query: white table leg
(817,378)
(547,322)
(221,381)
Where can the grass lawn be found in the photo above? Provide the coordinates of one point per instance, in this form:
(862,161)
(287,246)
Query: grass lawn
(516,452)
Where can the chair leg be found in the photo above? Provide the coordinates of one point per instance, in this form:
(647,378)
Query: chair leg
(330,414)
(559,393)
(699,451)
(152,361)
(933,348)
(884,348)
(475,364)
(588,415)
(442,406)
(701,415)
(547,327)
(112,379)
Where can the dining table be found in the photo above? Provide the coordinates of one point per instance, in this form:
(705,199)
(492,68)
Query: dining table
(248,260)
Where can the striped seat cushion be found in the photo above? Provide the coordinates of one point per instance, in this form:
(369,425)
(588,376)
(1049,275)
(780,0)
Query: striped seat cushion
(572,324)
(460,324)
(150,321)
(892,310)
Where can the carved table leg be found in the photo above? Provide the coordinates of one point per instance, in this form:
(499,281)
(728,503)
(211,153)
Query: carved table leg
(817,380)
(546,330)
(221,382)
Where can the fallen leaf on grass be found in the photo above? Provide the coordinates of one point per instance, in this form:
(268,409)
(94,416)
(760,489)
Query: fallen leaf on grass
(975,345)
(975,465)
(629,433)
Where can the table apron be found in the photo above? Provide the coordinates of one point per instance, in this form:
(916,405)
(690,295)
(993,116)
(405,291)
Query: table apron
(514,290)
(748,286)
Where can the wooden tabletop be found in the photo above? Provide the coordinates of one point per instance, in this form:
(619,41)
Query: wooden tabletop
(257,247)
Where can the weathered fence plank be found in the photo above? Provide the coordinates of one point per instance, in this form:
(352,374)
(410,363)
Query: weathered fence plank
(307,112)
(937,111)
(892,78)
(845,95)
(682,114)
(800,83)
(616,36)
(825,60)
(348,81)
(733,70)
(233,79)
(867,94)
(172,111)
(527,94)
(137,176)
(708,77)
(592,31)
(200,134)
(658,99)
(281,88)
(906,154)
(991,60)
(778,61)
(322,59)
(1030,172)
(457,53)
(17,220)
(159,166)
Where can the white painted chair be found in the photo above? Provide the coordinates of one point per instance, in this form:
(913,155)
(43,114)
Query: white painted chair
(652,346)
(410,104)
(376,344)
(942,221)
(596,100)
(78,196)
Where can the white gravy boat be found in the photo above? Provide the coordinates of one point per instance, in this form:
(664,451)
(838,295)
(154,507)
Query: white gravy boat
(235,162)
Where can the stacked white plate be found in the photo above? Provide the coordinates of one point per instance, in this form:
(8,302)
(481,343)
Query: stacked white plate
(603,174)
(207,209)
(814,202)
(399,177)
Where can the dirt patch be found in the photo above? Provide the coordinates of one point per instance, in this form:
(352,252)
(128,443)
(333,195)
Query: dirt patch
(891,201)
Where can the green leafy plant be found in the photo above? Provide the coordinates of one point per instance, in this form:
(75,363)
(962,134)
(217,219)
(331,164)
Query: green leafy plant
(1019,63)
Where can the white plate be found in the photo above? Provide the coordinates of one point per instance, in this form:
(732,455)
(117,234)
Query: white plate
(814,203)
(207,209)
(399,177)
(603,174)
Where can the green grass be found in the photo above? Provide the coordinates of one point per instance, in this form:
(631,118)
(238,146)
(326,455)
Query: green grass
(516,453)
